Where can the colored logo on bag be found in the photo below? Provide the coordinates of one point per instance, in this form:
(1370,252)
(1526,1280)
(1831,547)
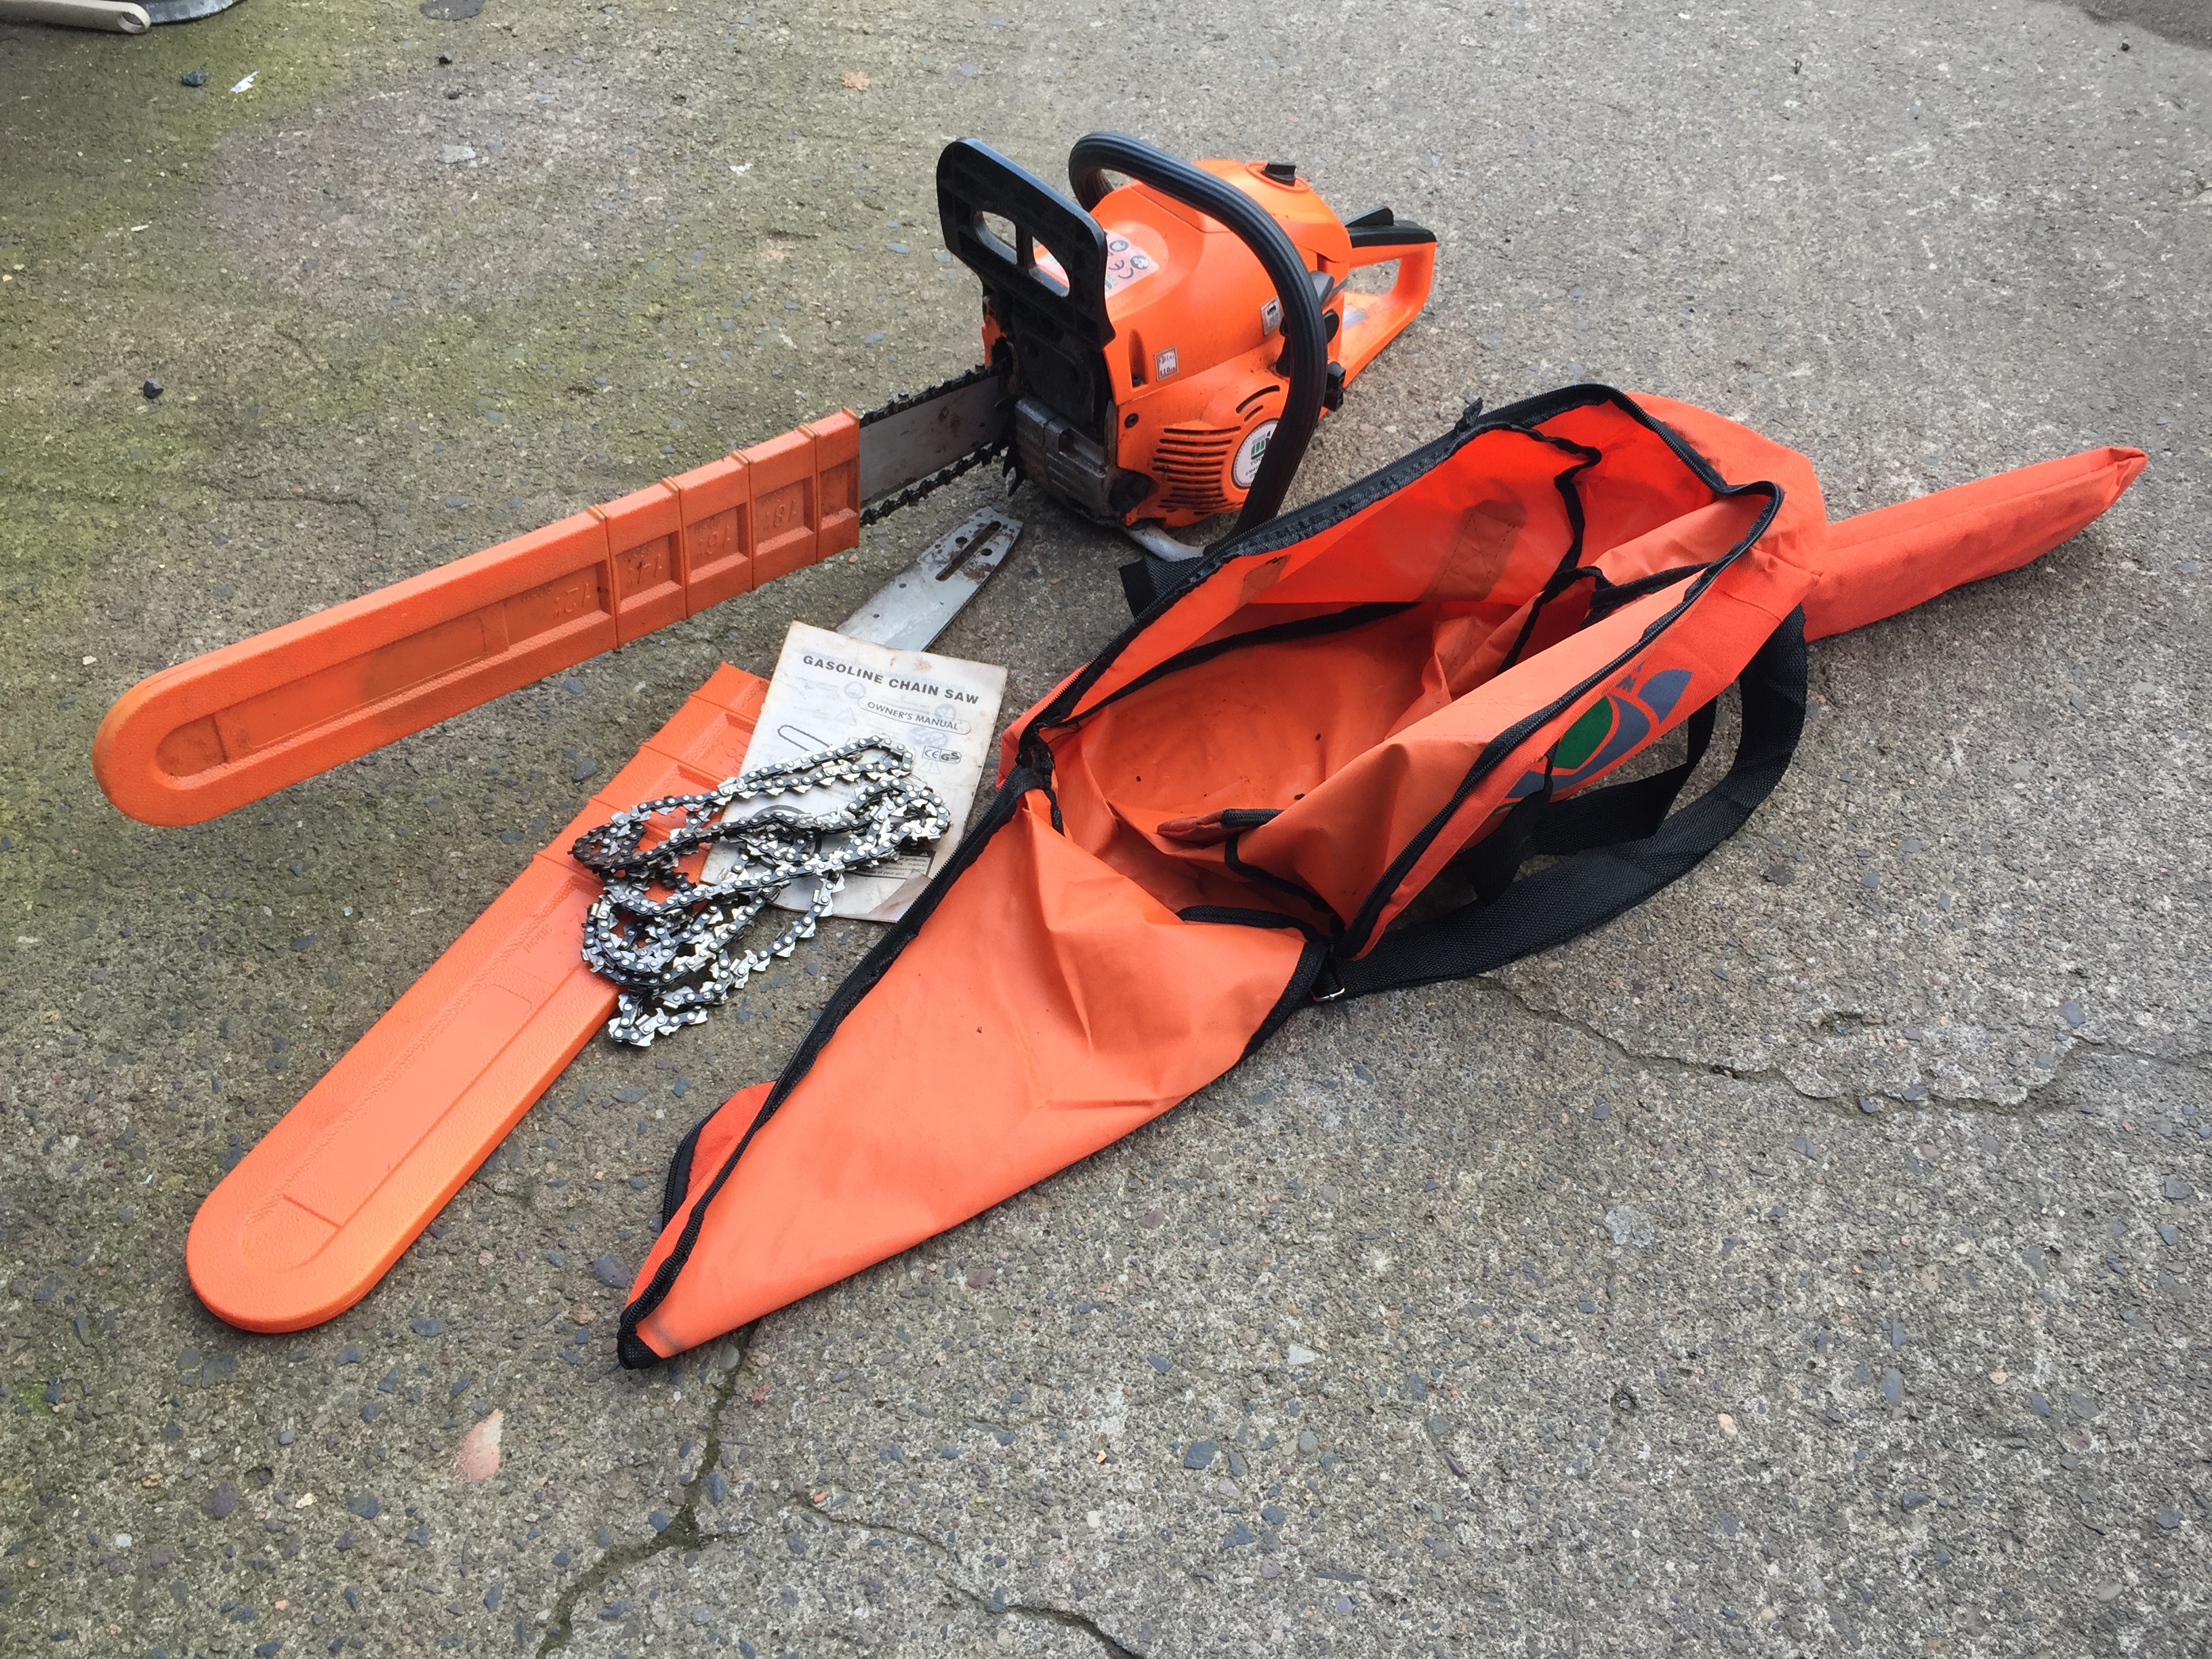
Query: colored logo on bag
(1613,727)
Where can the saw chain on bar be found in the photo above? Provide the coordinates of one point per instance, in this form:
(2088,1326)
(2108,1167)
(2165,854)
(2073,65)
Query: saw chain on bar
(921,486)
(875,512)
(906,400)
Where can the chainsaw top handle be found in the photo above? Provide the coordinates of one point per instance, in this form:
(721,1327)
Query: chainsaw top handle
(1306,346)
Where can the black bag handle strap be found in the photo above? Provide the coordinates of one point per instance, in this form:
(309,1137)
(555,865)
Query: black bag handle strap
(1598,883)
(1491,863)
(1619,812)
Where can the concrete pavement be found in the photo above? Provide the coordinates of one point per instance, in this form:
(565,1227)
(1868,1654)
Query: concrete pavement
(1814,1261)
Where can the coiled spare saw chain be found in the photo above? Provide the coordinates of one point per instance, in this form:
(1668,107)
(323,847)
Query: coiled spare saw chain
(672,958)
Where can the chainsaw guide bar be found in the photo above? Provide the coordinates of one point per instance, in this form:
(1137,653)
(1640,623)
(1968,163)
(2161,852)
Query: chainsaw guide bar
(908,443)
(919,603)
(1234,271)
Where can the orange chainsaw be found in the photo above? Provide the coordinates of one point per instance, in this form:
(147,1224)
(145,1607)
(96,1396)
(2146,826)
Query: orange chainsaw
(1158,354)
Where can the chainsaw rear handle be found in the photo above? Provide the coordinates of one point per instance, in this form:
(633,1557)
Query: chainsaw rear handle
(1305,353)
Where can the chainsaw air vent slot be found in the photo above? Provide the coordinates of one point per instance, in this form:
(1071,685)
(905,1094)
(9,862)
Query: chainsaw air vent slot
(1192,464)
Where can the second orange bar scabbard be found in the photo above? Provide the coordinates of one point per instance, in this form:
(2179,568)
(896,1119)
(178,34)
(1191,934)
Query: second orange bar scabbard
(316,1214)
(222,730)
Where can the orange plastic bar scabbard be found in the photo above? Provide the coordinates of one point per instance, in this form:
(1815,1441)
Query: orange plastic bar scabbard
(1883,562)
(228,728)
(1373,321)
(313,1216)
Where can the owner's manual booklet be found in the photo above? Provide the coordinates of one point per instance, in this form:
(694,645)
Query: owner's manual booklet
(829,689)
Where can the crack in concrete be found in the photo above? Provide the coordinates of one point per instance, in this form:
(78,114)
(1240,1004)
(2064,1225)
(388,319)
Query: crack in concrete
(299,346)
(2078,1051)
(1702,1068)
(1067,1618)
(2083,1050)
(992,1605)
(821,1513)
(682,1533)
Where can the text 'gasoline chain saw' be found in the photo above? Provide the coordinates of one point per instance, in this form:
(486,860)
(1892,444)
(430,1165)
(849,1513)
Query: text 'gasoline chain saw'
(1156,356)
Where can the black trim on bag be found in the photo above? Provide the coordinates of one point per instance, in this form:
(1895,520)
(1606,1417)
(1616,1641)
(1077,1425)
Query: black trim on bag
(1611,596)
(1238,916)
(1313,959)
(1296,889)
(1569,568)
(1592,886)
(679,1171)
(1305,628)
(629,1348)
(1501,747)
(1296,994)
(1530,412)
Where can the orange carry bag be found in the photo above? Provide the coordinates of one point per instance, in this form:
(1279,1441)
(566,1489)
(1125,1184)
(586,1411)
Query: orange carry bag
(1407,689)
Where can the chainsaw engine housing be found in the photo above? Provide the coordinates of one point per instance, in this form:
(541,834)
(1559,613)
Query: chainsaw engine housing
(1141,342)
